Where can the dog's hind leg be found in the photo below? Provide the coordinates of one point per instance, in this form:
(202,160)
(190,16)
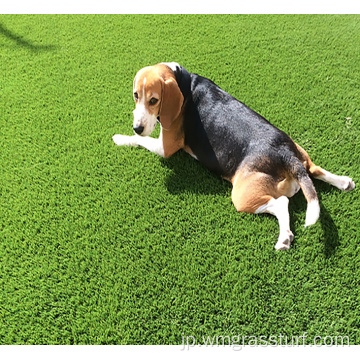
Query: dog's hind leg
(259,193)
(344,183)
(341,182)
(279,208)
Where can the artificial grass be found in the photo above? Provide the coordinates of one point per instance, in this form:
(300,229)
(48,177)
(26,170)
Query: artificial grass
(113,245)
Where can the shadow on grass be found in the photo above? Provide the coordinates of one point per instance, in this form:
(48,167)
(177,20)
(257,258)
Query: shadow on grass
(190,176)
(331,234)
(21,42)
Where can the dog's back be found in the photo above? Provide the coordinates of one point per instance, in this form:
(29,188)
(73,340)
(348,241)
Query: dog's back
(225,135)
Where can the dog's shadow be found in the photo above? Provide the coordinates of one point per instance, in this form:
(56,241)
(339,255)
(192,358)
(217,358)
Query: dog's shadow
(188,175)
(330,232)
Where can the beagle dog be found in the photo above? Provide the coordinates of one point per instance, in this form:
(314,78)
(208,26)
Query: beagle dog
(264,165)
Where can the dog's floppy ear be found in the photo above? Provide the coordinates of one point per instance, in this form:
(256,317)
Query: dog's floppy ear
(171,102)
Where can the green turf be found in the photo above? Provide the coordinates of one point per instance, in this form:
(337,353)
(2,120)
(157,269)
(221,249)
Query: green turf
(113,245)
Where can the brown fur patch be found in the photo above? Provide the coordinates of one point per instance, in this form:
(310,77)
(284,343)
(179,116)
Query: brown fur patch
(252,190)
(173,138)
(310,167)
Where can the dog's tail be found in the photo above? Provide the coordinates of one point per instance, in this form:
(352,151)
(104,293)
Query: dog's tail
(299,173)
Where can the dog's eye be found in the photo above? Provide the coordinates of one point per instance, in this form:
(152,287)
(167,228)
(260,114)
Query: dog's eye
(153,101)
(136,96)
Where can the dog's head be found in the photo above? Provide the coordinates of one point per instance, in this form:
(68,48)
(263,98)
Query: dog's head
(157,96)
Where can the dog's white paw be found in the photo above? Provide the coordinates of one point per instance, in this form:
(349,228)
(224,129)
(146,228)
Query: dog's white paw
(346,183)
(284,241)
(125,140)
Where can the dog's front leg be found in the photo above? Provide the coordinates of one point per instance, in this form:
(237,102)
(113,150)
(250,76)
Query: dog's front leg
(154,145)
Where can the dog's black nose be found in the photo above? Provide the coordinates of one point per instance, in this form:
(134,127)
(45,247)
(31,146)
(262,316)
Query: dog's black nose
(138,129)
